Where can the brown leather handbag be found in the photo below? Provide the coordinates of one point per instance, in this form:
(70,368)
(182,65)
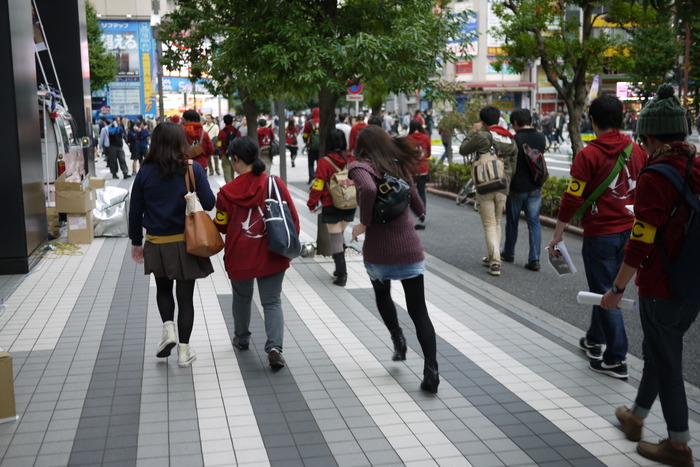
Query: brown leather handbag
(201,235)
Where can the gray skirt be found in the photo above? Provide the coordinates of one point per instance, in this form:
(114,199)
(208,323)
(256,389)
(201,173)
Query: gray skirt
(171,260)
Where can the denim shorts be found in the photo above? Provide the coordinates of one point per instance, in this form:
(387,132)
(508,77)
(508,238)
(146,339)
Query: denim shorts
(395,272)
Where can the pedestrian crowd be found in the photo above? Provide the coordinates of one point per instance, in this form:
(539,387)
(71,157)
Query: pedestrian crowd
(632,219)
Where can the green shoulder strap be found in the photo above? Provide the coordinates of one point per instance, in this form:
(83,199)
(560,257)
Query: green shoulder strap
(621,161)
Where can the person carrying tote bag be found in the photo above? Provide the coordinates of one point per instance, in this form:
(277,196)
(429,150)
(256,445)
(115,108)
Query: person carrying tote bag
(158,205)
(240,214)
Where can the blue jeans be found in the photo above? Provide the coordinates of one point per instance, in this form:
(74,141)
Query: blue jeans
(270,289)
(530,202)
(602,257)
(664,323)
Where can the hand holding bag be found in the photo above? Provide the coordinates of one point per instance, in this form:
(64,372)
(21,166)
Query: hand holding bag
(201,235)
(393,197)
(281,232)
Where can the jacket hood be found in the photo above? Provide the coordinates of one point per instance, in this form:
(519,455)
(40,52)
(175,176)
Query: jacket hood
(611,143)
(247,190)
(194,130)
(315,114)
(677,154)
(338,159)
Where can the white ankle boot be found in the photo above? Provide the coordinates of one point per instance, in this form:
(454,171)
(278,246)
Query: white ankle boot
(168,341)
(185,355)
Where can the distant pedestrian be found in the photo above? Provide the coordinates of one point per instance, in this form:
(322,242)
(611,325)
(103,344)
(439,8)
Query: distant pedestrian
(523,193)
(393,251)
(660,220)
(606,223)
(224,139)
(240,205)
(115,151)
(291,139)
(311,135)
(266,136)
(158,205)
(418,135)
(483,135)
(212,129)
(355,130)
(196,136)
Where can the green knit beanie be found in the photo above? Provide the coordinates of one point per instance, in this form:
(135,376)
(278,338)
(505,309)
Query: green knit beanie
(663,115)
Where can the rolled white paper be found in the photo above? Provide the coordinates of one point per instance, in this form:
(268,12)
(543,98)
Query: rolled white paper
(590,298)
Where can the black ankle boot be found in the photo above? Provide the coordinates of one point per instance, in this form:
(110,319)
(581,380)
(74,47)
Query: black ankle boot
(341,272)
(399,345)
(431,376)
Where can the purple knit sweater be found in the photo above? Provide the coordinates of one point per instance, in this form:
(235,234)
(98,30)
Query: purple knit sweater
(395,242)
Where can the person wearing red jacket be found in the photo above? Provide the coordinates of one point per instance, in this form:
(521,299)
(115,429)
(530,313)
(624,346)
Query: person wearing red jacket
(319,197)
(201,147)
(290,139)
(240,207)
(418,135)
(266,136)
(311,127)
(607,224)
(226,135)
(355,130)
(665,317)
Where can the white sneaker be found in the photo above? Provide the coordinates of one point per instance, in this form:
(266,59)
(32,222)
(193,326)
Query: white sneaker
(168,341)
(185,355)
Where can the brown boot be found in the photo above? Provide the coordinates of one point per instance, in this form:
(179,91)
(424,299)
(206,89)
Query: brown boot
(665,453)
(628,425)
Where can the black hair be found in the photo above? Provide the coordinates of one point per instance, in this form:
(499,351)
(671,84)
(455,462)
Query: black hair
(335,141)
(606,112)
(375,120)
(191,116)
(489,115)
(262,123)
(415,125)
(522,116)
(246,150)
(167,149)
(228,119)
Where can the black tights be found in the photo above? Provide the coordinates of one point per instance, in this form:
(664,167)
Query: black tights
(415,302)
(184,290)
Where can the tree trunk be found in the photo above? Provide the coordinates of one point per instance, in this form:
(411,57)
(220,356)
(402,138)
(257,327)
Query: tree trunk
(250,110)
(327,101)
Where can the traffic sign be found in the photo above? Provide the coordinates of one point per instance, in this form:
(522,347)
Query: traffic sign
(354,97)
(356,88)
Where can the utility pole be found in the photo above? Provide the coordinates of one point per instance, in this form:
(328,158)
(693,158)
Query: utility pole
(155,27)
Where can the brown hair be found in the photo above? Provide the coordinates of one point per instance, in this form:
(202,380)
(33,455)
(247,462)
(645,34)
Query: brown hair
(167,150)
(393,156)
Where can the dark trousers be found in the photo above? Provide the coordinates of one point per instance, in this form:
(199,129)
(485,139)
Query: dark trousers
(313,158)
(115,154)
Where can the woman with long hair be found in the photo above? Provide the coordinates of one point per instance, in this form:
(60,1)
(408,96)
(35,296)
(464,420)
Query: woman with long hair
(240,205)
(419,137)
(158,205)
(393,250)
(336,219)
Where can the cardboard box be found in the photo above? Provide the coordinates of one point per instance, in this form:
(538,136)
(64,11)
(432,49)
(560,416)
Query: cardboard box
(75,201)
(62,185)
(96,183)
(8,411)
(80,228)
(53,221)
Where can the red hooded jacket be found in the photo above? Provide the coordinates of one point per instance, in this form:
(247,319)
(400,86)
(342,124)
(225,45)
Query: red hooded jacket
(223,135)
(592,165)
(354,131)
(654,199)
(324,172)
(195,132)
(315,113)
(423,142)
(240,207)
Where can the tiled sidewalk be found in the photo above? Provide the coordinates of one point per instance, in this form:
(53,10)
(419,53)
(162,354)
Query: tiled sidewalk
(90,391)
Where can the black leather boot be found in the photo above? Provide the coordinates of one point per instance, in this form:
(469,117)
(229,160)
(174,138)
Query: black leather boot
(341,272)
(399,344)
(431,376)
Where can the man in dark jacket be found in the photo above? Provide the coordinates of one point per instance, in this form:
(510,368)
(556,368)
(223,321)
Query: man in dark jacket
(524,194)
(115,151)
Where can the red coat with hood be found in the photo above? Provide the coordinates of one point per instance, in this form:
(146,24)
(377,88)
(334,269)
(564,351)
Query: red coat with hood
(324,172)
(315,118)
(423,142)
(654,199)
(195,132)
(592,165)
(354,132)
(240,205)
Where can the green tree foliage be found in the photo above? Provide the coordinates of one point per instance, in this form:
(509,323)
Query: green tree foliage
(297,48)
(564,43)
(103,65)
(655,50)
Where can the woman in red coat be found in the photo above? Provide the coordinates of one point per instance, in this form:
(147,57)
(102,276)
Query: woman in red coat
(417,134)
(201,146)
(320,198)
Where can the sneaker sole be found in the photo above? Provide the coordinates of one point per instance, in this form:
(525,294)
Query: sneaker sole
(187,363)
(165,351)
(609,373)
(495,273)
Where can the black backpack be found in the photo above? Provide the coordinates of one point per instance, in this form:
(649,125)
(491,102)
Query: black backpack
(536,164)
(683,278)
(230,136)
